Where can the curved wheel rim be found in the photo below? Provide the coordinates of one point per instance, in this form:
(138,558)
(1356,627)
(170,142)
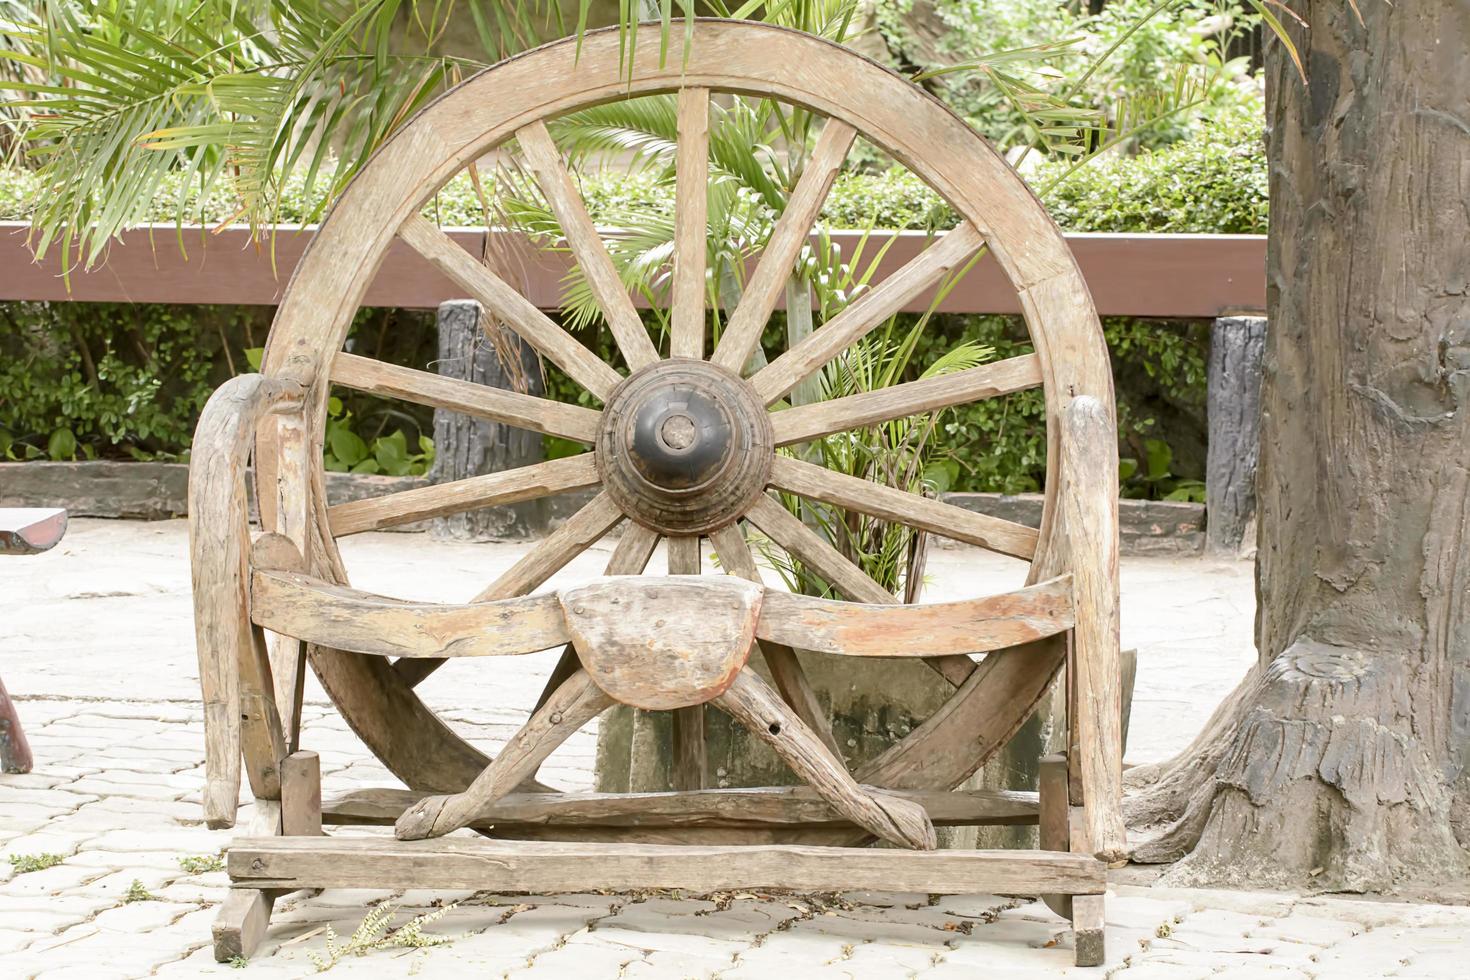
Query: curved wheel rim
(752,59)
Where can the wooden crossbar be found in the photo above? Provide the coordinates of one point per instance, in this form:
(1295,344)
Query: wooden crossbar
(772,807)
(541,867)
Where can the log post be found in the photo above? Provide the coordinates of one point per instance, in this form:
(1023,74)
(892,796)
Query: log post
(466,446)
(1237,346)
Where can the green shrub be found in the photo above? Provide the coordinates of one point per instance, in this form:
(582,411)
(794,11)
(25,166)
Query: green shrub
(999,445)
(116,380)
(83,380)
(1214,182)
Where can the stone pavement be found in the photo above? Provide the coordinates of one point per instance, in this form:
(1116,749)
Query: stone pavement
(98,646)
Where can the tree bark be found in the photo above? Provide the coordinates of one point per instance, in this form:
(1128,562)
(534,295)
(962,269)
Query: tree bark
(1340,762)
(1237,345)
(465,446)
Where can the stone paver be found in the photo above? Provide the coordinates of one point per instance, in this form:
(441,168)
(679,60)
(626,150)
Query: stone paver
(104,668)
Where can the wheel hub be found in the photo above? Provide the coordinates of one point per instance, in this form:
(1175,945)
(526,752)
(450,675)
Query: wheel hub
(684,446)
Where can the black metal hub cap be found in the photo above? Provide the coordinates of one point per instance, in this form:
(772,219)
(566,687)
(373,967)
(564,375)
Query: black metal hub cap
(684,446)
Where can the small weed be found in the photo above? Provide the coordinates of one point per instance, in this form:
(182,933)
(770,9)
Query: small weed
(373,935)
(1165,929)
(26,863)
(202,863)
(238,962)
(137,893)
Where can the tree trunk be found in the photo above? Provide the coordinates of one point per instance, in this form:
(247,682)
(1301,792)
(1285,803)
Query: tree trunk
(466,446)
(1340,762)
(1237,345)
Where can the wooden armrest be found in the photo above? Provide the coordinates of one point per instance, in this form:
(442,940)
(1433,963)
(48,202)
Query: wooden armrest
(234,673)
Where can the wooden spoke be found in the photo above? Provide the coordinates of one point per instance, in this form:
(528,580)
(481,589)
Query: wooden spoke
(507,487)
(543,159)
(751,702)
(866,312)
(496,404)
(867,497)
(630,557)
(689,765)
(743,332)
(534,568)
(900,401)
(310,609)
(786,669)
(556,549)
(518,313)
(691,225)
(574,704)
(789,532)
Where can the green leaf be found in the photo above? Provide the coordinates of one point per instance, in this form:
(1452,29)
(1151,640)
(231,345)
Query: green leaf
(62,444)
(390,454)
(1159,458)
(1127,466)
(346,445)
(253,356)
(367,466)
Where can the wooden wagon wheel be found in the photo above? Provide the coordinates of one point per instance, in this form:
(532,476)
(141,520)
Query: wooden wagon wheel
(684,446)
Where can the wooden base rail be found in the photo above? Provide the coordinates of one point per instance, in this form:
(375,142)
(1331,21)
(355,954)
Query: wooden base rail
(774,807)
(543,866)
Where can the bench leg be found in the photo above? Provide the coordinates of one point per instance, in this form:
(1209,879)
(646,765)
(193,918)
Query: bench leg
(1087,928)
(240,924)
(15,751)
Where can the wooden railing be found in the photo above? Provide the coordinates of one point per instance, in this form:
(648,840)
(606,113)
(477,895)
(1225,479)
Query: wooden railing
(1175,276)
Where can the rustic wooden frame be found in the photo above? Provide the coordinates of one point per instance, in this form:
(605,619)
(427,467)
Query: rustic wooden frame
(293,582)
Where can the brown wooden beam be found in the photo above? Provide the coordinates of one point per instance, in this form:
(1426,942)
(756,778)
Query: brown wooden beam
(1181,276)
(536,866)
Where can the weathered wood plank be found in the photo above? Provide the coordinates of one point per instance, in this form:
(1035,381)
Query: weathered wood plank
(234,669)
(774,806)
(301,795)
(1089,503)
(545,559)
(941,628)
(346,619)
(630,556)
(241,922)
(1237,350)
(534,866)
(1088,933)
(662,643)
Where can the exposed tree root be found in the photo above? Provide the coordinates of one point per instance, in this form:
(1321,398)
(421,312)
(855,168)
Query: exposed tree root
(1311,775)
